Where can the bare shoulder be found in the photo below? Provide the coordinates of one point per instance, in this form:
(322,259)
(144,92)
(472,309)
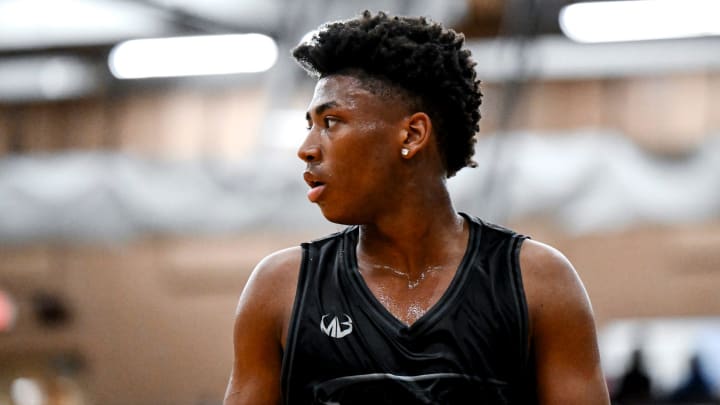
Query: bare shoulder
(537,257)
(562,326)
(276,269)
(270,290)
(555,295)
(549,277)
(260,323)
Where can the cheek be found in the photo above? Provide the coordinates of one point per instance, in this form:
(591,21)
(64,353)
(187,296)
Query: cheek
(365,165)
(365,159)
(377,145)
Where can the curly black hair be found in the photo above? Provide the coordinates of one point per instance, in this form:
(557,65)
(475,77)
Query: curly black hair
(419,56)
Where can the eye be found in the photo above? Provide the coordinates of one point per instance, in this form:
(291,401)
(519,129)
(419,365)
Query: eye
(330,121)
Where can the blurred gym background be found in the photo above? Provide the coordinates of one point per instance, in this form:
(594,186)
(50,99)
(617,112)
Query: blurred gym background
(133,209)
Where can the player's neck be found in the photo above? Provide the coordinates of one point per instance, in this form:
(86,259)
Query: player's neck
(414,237)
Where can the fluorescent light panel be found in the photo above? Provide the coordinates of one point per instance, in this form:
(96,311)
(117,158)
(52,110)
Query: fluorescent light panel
(193,56)
(48,23)
(637,20)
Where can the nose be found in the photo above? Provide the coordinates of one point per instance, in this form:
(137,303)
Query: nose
(309,151)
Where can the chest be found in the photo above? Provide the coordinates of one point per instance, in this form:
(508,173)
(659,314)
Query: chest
(343,338)
(456,324)
(404,298)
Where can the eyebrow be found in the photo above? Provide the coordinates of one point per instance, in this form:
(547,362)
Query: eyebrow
(321,108)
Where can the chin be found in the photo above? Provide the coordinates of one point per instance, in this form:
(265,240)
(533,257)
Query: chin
(340,217)
(340,220)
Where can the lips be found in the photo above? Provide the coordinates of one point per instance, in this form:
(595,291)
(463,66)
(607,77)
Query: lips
(316,186)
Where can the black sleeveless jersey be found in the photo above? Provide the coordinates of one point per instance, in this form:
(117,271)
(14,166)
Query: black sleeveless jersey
(471,347)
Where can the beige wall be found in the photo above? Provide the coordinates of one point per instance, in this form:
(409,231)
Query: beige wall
(152,319)
(649,271)
(665,113)
(171,123)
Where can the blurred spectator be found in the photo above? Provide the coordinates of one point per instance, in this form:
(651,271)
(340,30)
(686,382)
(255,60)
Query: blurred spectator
(696,388)
(634,386)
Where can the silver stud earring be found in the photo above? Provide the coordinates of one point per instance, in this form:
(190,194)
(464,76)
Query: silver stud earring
(404,151)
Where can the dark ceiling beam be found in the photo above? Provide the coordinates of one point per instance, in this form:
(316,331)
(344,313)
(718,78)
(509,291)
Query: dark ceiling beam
(88,51)
(499,18)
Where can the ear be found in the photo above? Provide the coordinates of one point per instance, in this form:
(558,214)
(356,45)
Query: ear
(417,134)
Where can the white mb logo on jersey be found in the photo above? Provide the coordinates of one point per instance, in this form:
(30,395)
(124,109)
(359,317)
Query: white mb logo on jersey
(334,328)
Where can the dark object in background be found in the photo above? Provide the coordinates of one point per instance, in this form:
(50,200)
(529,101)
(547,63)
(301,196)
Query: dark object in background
(696,388)
(50,310)
(635,385)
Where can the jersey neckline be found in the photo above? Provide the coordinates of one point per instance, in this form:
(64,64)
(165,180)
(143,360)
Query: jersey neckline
(433,313)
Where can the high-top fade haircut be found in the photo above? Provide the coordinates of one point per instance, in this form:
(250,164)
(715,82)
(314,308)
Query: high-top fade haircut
(418,58)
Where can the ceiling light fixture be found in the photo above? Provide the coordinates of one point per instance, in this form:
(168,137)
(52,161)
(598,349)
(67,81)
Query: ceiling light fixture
(192,56)
(637,20)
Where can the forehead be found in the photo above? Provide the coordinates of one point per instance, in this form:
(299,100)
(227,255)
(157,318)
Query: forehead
(342,90)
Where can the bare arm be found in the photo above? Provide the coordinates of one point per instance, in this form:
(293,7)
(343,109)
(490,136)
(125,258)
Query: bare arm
(260,322)
(563,329)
